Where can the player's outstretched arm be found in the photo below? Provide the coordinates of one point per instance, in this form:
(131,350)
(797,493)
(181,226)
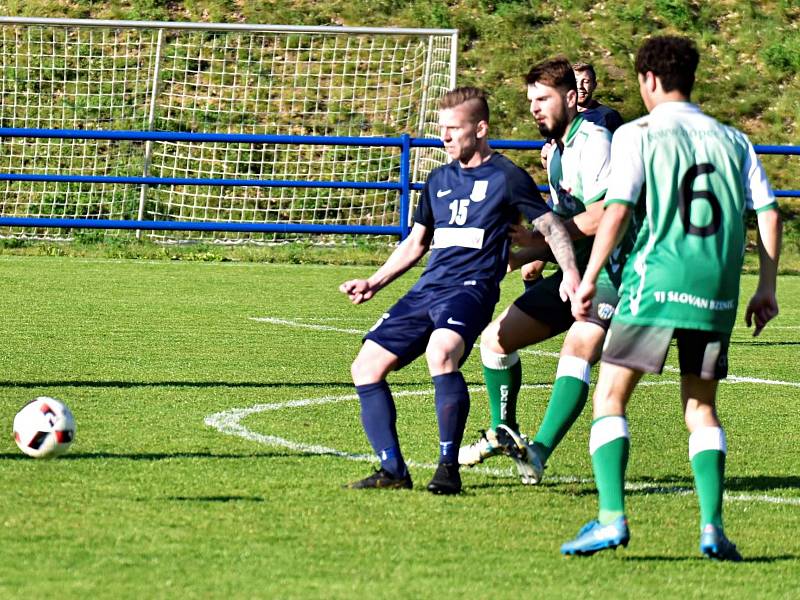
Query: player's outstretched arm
(405,256)
(763,306)
(557,238)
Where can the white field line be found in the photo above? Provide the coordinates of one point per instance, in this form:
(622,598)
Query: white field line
(531,351)
(313,326)
(229,422)
(317,327)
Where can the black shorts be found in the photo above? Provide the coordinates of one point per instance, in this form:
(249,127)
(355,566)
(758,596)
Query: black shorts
(404,329)
(542,302)
(644,349)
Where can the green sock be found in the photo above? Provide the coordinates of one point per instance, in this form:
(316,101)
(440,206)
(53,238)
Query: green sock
(609,446)
(503,386)
(707,449)
(565,405)
(709,473)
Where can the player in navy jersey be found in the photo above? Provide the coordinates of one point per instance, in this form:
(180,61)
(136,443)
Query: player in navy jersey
(591,110)
(463,217)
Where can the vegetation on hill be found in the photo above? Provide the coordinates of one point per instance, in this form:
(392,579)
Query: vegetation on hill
(749,74)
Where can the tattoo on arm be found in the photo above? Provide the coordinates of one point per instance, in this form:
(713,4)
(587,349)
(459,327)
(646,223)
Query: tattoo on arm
(551,227)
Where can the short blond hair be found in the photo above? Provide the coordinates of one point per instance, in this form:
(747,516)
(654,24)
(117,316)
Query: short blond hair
(473,96)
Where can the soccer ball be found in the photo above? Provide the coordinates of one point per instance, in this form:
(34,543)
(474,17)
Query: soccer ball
(44,428)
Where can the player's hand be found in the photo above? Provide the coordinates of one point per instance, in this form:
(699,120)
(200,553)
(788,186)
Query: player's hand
(532,270)
(582,300)
(546,152)
(358,290)
(521,235)
(570,281)
(762,308)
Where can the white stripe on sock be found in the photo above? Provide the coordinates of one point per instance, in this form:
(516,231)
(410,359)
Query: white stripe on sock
(572,366)
(707,438)
(493,360)
(607,430)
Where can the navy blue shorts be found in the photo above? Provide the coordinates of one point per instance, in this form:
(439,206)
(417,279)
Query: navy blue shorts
(404,330)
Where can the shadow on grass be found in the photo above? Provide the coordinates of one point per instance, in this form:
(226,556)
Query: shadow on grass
(677,485)
(511,485)
(186,384)
(698,558)
(220,499)
(347,385)
(149,456)
(764,343)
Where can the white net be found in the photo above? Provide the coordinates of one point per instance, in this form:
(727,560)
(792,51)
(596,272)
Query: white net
(64,78)
(331,82)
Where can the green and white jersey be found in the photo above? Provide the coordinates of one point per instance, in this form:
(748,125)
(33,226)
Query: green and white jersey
(695,178)
(578,174)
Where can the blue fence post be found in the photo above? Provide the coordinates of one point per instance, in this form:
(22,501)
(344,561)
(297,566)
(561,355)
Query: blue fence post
(405,184)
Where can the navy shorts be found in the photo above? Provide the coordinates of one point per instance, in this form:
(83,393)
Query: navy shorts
(404,329)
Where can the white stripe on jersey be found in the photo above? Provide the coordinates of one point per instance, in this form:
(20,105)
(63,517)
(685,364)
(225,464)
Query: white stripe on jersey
(464,237)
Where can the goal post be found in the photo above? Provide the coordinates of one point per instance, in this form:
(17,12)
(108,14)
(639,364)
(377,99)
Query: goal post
(216,78)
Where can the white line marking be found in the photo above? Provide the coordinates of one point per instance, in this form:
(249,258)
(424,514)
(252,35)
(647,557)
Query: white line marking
(305,325)
(291,323)
(737,379)
(228,422)
(317,327)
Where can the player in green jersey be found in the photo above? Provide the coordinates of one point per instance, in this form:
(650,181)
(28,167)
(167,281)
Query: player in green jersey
(693,178)
(577,169)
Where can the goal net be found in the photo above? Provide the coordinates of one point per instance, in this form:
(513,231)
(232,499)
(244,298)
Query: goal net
(176,77)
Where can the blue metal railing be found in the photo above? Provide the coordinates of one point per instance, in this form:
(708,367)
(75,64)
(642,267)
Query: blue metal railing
(405,143)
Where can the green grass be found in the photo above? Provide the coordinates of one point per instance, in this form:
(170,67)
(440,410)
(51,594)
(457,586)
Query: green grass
(151,502)
(352,250)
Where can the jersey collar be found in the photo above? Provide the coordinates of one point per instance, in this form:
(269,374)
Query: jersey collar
(674,107)
(573,129)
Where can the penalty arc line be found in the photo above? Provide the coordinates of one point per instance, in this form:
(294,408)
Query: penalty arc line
(229,422)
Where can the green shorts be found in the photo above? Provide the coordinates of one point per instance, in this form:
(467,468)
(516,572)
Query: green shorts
(644,349)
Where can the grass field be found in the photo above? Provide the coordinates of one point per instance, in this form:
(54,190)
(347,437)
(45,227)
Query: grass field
(217,422)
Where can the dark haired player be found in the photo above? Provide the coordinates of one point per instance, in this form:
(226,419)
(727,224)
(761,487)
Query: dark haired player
(693,178)
(577,171)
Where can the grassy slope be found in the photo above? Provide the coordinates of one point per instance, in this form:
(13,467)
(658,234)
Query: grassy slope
(749,74)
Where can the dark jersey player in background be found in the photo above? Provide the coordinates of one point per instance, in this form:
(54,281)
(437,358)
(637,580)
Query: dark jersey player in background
(589,108)
(463,216)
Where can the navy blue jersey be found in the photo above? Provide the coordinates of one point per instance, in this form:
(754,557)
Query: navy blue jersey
(603,115)
(470,211)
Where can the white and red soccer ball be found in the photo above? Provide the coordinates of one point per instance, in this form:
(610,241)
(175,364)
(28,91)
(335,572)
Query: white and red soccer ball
(44,428)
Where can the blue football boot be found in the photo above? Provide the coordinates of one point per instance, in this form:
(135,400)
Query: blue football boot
(594,537)
(716,546)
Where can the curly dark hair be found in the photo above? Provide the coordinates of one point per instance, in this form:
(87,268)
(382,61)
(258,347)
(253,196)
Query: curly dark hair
(672,59)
